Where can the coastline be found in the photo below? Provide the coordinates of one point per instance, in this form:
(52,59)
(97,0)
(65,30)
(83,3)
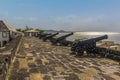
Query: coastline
(112,36)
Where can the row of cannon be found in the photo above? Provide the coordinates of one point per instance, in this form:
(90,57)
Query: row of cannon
(56,41)
(81,47)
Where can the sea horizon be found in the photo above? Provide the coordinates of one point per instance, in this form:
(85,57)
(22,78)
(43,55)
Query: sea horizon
(112,36)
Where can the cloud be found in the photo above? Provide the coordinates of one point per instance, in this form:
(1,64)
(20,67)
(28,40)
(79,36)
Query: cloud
(19,18)
(32,19)
(69,22)
(88,23)
(25,18)
(77,22)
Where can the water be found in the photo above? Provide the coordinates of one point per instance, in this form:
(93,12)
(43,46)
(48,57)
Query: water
(112,36)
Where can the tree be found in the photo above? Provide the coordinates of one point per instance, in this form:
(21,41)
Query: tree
(30,28)
(39,30)
(27,28)
(20,30)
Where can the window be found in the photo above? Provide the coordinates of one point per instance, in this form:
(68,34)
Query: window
(4,34)
(4,28)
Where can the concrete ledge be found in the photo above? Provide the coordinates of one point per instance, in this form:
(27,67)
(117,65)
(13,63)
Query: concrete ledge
(11,65)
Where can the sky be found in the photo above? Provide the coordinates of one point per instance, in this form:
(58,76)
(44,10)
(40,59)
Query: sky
(70,15)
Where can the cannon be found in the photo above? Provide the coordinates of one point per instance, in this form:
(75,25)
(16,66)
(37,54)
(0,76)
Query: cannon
(88,45)
(62,40)
(66,43)
(41,35)
(108,53)
(49,37)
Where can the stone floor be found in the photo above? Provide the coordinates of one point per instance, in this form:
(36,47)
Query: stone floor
(38,60)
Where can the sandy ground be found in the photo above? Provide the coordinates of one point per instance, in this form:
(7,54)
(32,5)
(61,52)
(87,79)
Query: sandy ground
(38,60)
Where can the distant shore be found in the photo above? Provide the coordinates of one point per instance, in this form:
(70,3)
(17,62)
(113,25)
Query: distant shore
(112,36)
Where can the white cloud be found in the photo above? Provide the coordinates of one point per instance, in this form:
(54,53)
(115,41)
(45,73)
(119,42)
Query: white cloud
(25,18)
(32,19)
(92,23)
(18,18)
(69,22)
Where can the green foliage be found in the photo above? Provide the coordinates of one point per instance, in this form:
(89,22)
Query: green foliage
(55,37)
(76,40)
(28,28)
(20,30)
(40,30)
(81,38)
(99,42)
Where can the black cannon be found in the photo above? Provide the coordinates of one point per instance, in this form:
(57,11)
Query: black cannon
(108,53)
(49,37)
(62,40)
(66,43)
(41,35)
(88,45)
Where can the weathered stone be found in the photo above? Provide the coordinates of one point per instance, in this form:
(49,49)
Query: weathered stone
(29,54)
(59,69)
(36,76)
(26,45)
(45,61)
(23,63)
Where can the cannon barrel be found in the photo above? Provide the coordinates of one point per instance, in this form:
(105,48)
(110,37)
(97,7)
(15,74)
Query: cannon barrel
(100,38)
(63,37)
(50,36)
(86,45)
(66,43)
(88,41)
(43,35)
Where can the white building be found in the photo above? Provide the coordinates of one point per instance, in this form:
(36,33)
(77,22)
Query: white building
(31,33)
(7,33)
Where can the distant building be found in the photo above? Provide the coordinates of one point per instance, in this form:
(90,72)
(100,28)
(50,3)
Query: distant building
(7,33)
(109,45)
(115,47)
(106,44)
(31,33)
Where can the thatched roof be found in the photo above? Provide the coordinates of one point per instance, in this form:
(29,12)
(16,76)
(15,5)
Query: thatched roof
(32,30)
(9,27)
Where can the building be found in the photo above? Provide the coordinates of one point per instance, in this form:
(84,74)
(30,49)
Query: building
(31,33)
(7,33)
(115,47)
(105,44)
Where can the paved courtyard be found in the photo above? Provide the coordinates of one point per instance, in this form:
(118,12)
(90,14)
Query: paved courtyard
(38,60)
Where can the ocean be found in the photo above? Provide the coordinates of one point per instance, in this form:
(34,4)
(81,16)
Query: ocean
(112,36)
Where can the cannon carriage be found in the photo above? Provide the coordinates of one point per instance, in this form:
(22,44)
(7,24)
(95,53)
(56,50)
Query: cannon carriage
(50,37)
(41,35)
(88,45)
(108,53)
(62,40)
